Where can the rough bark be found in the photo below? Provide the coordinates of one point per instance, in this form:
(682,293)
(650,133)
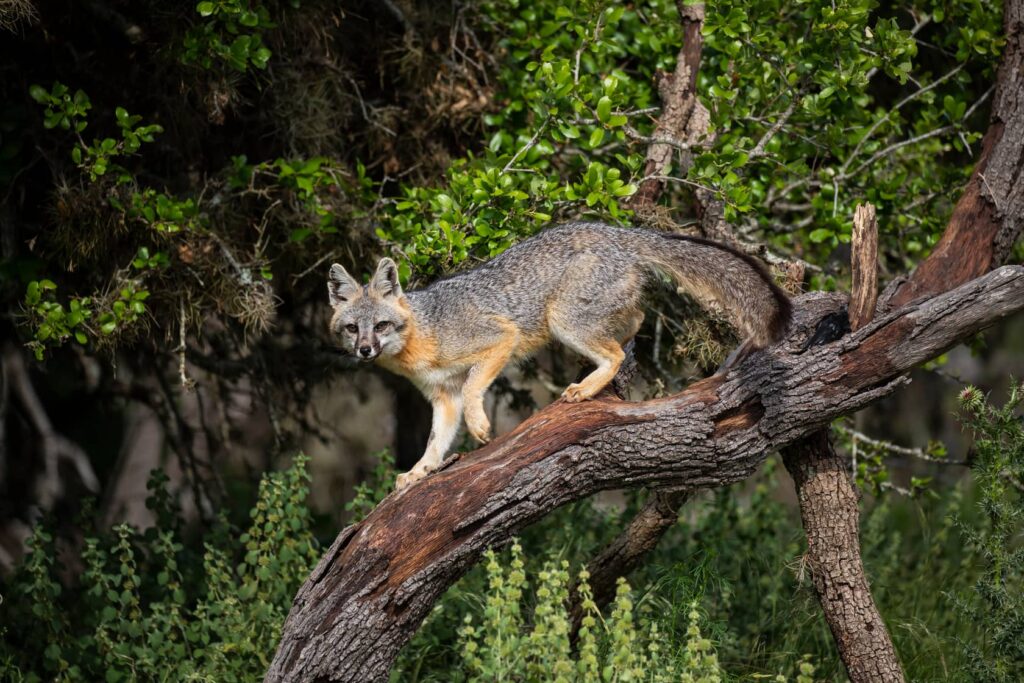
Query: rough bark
(380,578)
(828,507)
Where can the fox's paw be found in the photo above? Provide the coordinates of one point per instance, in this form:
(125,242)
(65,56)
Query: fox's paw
(574,393)
(479,427)
(409,478)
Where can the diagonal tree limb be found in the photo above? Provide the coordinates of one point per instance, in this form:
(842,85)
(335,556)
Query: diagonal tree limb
(380,578)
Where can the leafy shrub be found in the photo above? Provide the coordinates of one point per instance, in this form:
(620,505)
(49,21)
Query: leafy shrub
(149,609)
(621,648)
(996,602)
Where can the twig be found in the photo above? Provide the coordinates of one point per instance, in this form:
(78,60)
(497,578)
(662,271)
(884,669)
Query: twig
(912,96)
(895,146)
(758,149)
(186,383)
(918,453)
(527,147)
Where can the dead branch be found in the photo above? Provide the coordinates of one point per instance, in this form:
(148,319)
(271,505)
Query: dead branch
(679,100)
(864,264)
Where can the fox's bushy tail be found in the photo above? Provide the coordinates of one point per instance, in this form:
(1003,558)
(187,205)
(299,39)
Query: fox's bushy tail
(737,281)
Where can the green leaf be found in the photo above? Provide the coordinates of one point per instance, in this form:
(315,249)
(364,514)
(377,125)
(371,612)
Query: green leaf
(205,9)
(604,109)
(39,94)
(820,235)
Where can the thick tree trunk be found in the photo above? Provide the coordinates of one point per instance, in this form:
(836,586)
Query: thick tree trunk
(380,578)
(828,507)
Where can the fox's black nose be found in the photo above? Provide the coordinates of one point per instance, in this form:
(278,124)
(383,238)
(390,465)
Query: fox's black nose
(365,351)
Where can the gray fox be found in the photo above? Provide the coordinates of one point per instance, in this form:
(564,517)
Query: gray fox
(581,284)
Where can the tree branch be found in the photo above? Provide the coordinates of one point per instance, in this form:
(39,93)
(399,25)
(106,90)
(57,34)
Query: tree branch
(989,217)
(380,578)
(679,100)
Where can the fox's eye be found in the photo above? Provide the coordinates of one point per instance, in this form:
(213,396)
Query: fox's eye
(352,328)
(382,325)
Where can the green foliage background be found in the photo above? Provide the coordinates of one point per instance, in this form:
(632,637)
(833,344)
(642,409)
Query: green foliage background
(178,176)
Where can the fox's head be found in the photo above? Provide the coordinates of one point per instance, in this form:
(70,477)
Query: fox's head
(369,319)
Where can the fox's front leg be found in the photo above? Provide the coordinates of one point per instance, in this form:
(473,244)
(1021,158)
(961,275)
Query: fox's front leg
(481,376)
(447,407)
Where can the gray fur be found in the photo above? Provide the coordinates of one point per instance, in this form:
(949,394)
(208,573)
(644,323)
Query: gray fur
(601,270)
(579,283)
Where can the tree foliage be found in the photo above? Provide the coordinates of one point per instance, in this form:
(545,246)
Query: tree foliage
(177,178)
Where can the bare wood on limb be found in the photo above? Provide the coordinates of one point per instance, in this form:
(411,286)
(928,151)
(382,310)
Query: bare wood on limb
(864,266)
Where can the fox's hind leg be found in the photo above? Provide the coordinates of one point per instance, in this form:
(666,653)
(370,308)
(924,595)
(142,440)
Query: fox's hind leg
(607,354)
(599,346)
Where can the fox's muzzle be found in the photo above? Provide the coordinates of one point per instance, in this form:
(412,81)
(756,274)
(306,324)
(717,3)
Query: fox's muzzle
(366,352)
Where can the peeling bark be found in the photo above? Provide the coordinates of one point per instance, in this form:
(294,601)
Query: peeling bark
(380,578)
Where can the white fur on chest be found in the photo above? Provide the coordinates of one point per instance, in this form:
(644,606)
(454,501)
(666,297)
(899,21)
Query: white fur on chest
(430,379)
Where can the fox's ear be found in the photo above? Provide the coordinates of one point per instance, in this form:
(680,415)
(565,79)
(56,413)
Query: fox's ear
(341,287)
(385,280)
